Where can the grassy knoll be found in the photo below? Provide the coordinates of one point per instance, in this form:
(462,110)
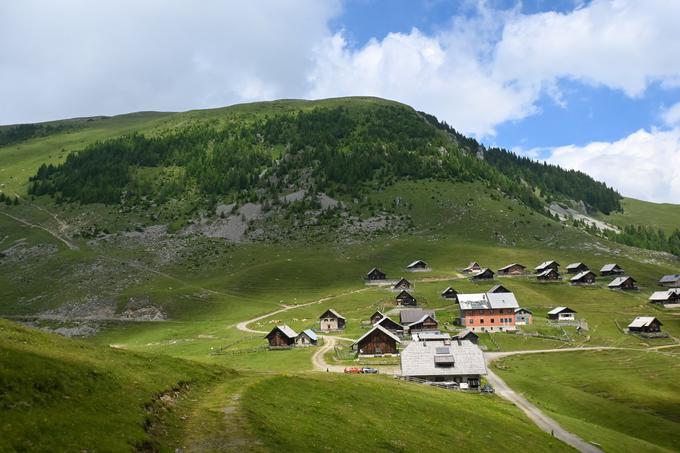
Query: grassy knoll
(637,212)
(623,400)
(371,413)
(68,395)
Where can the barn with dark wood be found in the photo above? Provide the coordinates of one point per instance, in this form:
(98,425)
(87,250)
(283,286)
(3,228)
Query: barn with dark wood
(576,268)
(425,323)
(512,269)
(611,269)
(670,281)
(405,299)
(668,297)
(375,274)
(623,283)
(549,274)
(472,267)
(484,274)
(499,289)
(646,324)
(450,293)
(331,320)
(583,278)
(391,325)
(402,284)
(281,337)
(376,342)
(418,266)
(412,315)
(545,265)
(377,316)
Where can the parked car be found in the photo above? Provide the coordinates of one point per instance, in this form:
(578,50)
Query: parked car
(486,388)
(353,370)
(369,370)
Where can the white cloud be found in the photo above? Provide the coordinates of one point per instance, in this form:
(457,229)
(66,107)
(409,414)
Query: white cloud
(79,57)
(671,116)
(644,165)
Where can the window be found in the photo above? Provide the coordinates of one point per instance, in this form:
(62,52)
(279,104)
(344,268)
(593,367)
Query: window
(471,321)
(492,320)
(481,321)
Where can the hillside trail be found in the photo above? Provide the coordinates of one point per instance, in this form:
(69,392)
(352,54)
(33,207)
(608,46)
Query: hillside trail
(63,226)
(53,233)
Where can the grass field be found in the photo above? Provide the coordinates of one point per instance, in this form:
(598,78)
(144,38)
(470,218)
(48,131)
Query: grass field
(623,400)
(637,212)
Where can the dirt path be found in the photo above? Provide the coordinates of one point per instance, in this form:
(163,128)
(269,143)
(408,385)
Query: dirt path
(539,418)
(243,325)
(319,361)
(55,234)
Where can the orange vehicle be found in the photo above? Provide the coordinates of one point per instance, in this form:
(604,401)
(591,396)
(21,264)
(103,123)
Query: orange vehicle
(353,370)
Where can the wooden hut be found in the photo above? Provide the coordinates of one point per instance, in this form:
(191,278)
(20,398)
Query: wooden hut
(576,268)
(418,266)
(331,320)
(646,324)
(390,324)
(545,265)
(512,269)
(405,299)
(670,281)
(281,337)
(377,316)
(450,293)
(425,323)
(670,296)
(412,315)
(499,289)
(402,284)
(549,274)
(484,274)
(306,338)
(611,269)
(623,284)
(377,341)
(583,278)
(472,267)
(375,274)
(523,317)
(562,314)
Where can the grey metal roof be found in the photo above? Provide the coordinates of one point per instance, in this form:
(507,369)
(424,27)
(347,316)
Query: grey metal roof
(609,267)
(333,312)
(509,266)
(385,319)
(380,328)
(419,359)
(580,275)
(416,262)
(422,319)
(487,301)
(546,272)
(670,278)
(464,333)
(311,334)
(517,310)
(287,331)
(557,310)
(413,315)
(643,321)
(660,295)
(483,271)
(575,265)
(618,281)
(545,264)
(431,336)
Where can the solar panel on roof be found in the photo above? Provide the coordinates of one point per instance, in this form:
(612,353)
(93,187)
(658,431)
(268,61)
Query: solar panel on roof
(443,351)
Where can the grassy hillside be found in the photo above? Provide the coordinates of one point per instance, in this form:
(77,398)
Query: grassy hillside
(637,212)
(65,395)
(623,400)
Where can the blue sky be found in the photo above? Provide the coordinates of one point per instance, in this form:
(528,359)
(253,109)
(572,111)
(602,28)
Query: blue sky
(582,84)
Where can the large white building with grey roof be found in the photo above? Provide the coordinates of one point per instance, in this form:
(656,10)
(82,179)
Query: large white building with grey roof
(458,361)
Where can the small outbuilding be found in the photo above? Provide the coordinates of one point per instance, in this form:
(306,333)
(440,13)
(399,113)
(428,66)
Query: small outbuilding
(376,342)
(405,299)
(646,324)
(549,274)
(450,293)
(545,265)
(402,284)
(512,269)
(583,278)
(425,323)
(377,316)
(611,269)
(306,338)
(391,325)
(623,283)
(576,268)
(484,274)
(472,267)
(281,337)
(331,320)
(523,317)
(670,281)
(412,315)
(499,289)
(670,296)
(375,274)
(561,314)
(418,266)
(469,335)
